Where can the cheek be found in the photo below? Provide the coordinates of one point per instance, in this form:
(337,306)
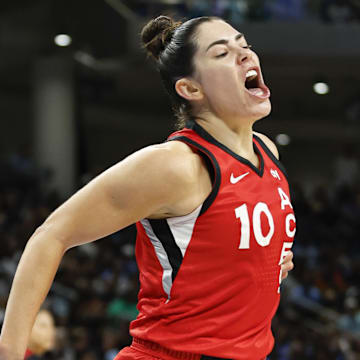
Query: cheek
(221,79)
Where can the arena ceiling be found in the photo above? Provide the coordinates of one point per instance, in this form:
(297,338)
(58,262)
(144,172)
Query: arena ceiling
(118,72)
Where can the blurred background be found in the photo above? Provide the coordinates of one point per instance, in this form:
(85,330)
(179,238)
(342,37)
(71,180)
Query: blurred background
(77,95)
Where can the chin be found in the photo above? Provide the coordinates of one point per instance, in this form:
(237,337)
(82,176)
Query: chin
(268,109)
(262,111)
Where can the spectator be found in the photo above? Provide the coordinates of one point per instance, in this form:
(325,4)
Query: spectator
(346,167)
(42,338)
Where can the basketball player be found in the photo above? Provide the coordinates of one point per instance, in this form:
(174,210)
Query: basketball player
(212,206)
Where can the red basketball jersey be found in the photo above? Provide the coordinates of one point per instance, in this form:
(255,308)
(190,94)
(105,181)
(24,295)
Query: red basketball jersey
(210,279)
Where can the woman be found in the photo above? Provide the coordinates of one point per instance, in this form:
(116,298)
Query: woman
(215,223)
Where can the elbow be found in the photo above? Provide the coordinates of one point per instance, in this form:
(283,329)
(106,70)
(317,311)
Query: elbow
(46,234)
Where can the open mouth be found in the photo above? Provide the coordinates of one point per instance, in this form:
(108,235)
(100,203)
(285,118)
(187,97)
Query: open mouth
(255,85)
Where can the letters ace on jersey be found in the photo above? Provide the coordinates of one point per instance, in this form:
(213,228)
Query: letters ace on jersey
(210,279)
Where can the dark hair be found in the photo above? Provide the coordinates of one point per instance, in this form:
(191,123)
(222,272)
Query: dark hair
(172,45)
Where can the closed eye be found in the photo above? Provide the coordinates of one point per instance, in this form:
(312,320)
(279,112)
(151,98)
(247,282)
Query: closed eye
(221,55)
(225,53)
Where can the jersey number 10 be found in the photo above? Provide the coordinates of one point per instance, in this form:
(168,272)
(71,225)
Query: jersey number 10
(242,214)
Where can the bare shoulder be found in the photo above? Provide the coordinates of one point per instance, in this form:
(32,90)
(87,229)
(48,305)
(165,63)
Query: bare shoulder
(173,160)
(270,144)
(156,181)
(168,175)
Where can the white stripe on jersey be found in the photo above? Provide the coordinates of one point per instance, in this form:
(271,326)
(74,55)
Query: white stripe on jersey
(181,228)
(161,255)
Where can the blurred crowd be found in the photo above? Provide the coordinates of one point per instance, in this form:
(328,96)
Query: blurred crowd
(94,295)
(237,11)
(95,291)
(323,292)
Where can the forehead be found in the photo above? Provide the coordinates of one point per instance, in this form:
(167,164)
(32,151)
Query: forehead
(214,30)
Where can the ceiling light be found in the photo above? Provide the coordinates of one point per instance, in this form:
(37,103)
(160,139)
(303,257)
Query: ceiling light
(321,88)
(283,139)
(62,40)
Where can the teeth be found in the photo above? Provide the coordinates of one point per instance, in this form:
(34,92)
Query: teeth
(251,74)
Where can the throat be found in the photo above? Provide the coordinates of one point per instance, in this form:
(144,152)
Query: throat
(255,160)
(233,134)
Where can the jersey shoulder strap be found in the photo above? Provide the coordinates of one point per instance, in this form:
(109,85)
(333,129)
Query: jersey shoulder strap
(270,154)
(188,136)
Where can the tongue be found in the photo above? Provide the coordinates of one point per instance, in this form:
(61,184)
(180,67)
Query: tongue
(256,91)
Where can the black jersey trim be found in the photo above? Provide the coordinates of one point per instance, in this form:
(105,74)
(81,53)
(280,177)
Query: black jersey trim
(205,135)
(271,155)
(216,185)
(163,232)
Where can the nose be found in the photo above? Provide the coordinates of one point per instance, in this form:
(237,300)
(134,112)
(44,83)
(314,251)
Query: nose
(243,56)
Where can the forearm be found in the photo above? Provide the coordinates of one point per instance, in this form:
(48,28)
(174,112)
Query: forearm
(33,278)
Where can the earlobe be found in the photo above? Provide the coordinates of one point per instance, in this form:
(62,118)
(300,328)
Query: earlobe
(188,89)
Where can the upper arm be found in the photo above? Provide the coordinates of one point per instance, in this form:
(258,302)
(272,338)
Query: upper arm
(270,144)
(148,180)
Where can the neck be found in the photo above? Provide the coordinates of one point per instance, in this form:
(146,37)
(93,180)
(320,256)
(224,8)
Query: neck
(237,137)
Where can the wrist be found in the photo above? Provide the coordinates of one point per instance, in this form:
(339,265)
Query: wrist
(7,352)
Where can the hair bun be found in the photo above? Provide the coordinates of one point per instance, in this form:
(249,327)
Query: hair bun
(157,33)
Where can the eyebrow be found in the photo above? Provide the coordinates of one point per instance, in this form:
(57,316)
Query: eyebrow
(223,41)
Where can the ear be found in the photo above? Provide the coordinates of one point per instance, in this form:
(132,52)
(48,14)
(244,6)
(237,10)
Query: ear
(189,89)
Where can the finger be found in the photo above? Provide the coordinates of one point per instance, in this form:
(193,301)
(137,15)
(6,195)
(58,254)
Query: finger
(288,257)
(285,270)
(284,275)
(287,266)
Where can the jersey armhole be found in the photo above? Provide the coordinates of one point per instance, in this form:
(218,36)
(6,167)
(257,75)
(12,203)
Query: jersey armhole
(212,166)
(271,155)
